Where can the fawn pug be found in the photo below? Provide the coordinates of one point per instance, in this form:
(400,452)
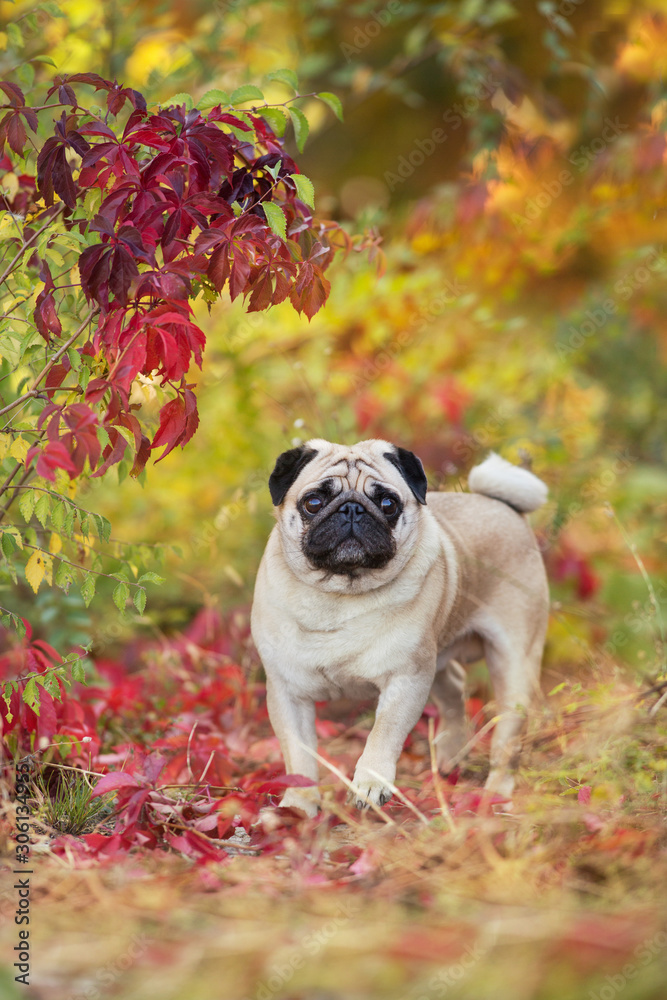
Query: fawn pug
(370,586)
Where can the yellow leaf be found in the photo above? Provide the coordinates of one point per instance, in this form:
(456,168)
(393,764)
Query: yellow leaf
(19,449)
(55,544)
(35,569)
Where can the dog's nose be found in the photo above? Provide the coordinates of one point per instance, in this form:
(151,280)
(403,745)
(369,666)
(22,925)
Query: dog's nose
(351,511)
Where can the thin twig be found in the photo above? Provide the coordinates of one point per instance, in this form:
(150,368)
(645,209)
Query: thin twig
(187,751)
(27,243)
(32,391)
(27,473)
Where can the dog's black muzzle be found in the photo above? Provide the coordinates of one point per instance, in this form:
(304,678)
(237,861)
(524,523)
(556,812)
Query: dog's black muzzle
(348,535)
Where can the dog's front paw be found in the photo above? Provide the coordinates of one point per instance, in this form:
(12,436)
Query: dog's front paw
(305,800)
(500,783)
(368,789)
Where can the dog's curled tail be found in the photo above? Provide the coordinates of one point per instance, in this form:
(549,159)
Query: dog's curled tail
(501,480)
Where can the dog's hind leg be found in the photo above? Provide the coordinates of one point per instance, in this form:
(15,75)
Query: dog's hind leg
(515,680)
(448,695)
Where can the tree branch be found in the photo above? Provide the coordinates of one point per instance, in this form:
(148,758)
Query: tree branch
(32,391)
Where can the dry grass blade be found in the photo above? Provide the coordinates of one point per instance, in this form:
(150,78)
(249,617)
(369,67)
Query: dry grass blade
(444,808)
(399,795)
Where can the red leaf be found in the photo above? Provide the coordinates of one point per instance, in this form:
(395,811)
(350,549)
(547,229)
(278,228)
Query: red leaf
(55,174)
(45,316)
(123,269)
(584,794)
(52,456)
(142,456)
(286,781)
(114,780)
(218,267)
(113,452)
(13,92)
(310,291)
(239,273)
(16,133)
(178,422)
(66,95)
(57,375)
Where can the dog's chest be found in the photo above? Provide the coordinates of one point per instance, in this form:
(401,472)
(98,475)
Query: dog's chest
(350,658)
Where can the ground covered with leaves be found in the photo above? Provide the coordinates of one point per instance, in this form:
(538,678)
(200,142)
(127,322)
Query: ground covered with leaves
(165,867)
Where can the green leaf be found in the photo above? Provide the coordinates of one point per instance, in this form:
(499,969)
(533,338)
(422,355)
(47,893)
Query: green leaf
(277,119)
(43,509)
(140,601)
(8,544)
(212,98)
(84,523)
(150,577)
(13,621)
(49,682)
(286,76)
(74,359)
(88,589)
(84,377)
(46,59)
(301,127)
(64,576)
(179,99)
(120,595)
(78,671)
(27,504)
(304,189)
(31,695)
(247,92)
(26,75)
(275,218)
(333,102)
(103,526)
(58,516)
(14,35)
(68,526)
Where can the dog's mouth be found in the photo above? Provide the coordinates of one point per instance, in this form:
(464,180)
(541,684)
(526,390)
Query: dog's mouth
(349,537)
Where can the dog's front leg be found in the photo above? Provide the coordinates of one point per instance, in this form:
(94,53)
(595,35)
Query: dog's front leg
(293,721)
(400,704)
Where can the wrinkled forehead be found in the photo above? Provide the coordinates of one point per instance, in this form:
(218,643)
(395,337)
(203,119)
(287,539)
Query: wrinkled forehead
(357,467)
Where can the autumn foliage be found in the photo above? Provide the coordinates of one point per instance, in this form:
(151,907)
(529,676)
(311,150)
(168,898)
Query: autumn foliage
(162,281)
(170,204)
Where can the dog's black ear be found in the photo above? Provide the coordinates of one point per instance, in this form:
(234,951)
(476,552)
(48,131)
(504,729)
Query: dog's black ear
(288,467)
(411,469)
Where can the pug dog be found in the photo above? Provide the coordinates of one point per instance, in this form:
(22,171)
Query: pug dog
(370,586)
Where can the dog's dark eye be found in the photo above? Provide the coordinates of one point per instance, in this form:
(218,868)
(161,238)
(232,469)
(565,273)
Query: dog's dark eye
(388,506)
(312,504)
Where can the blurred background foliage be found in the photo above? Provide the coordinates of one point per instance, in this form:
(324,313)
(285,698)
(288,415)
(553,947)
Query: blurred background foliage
(511,157)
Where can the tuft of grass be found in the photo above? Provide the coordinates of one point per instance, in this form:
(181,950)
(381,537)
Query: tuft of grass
(67,806)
